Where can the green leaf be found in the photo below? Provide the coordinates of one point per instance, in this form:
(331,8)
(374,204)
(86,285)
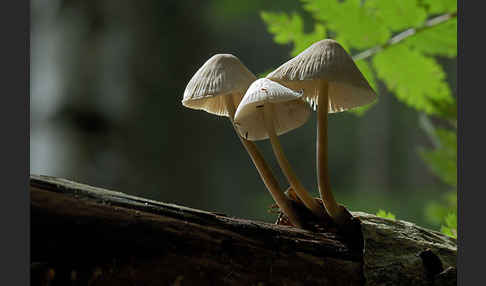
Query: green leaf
(415,79)
(290,29)
(450,227)
(302,40)
(366,70)
(440,6)
(397,14)
(449,231)
(440,40)
(442,161)
(451,199)
(284,27)
(361,110)
(356,26)
(322,10)
(384,214)
(446,110)
(451,220)
(436,211)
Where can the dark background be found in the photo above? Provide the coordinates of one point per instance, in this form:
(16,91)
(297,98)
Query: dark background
(107,79)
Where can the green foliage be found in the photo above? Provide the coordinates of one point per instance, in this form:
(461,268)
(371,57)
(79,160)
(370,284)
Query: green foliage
(290,29)
(450,227)
(440,40)
(443,160)
(444,213)
(440,6)
(437,211)
(407,68)
(415,78)
(446,110)
(384,214)
(283,26)
(365,68)
(343,17)
(397,15)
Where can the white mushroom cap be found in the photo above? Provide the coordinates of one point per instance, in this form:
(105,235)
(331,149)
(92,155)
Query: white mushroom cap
(290,111)
(222,75)
(326,60)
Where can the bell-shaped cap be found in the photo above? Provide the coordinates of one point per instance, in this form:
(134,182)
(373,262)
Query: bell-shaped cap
(289,110)
(221,76)
(326,60)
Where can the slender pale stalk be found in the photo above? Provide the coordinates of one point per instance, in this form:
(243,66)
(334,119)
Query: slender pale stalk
(306,198)
(333,209)
(266,175)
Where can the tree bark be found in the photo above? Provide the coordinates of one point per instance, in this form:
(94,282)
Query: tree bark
(82,235)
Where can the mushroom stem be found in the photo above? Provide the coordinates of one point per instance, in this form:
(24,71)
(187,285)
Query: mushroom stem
(266,175)
(306,198)
(323,183)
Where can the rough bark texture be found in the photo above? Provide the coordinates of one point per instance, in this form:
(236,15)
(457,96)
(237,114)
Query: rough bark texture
(401,253)
(81,235)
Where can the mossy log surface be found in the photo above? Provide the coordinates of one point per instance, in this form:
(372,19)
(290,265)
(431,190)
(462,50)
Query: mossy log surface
(83,235)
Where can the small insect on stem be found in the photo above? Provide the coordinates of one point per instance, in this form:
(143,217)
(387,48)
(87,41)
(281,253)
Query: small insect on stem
(246,135)
(259,106)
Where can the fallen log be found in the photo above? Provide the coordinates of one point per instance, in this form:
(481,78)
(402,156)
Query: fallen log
(83,235)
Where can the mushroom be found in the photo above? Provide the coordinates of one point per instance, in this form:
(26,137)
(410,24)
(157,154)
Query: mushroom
(281,110)
(217,87)
(331,80)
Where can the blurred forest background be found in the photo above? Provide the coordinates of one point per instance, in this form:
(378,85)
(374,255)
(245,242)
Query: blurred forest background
(107,79)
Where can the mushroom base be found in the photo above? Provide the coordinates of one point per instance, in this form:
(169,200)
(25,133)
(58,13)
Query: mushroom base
(350,230)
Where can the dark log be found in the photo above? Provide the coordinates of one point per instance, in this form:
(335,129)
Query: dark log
(82,235)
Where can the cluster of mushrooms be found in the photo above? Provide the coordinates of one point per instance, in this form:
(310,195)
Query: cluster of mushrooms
(323,77)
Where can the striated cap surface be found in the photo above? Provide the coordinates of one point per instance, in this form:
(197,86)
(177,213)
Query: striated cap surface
(326,60)
(290,111)
(220,76)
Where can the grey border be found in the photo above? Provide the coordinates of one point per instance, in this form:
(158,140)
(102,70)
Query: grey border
(471,193)
(14,123)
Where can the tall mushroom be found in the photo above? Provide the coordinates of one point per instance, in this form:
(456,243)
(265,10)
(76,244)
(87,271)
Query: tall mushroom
(331,80)
(217,87)
(281,110)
